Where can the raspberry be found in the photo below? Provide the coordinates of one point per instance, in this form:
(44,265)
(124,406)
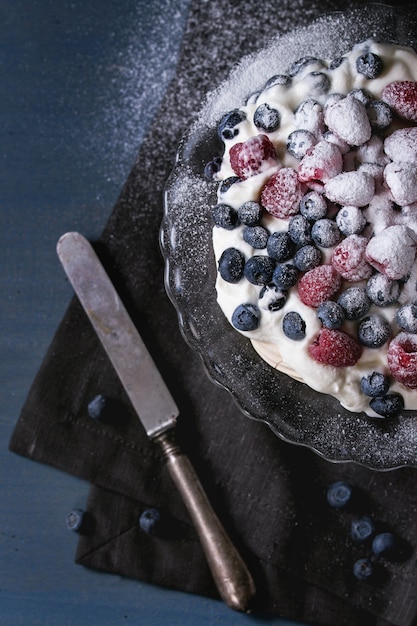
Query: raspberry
(321,162)
(282,193)
(334,347)
(318,285)
(402,359)
(401,96)
(349,260)
(255,155)
(392,251)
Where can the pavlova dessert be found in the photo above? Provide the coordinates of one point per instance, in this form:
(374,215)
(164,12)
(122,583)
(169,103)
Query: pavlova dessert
(315,226)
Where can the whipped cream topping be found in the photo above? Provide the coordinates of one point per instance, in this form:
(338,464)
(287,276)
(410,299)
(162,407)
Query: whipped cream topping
(326,123)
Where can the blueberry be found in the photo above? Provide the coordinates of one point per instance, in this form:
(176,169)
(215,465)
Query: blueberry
(362,569)
(331,314)
(256,236)
(374,331)
(350,220)
(307,258)
(406,317)
(369,64)
(278,79)
(250,213)
(354,302)
(98,407)
(383,543)
(231,265)
(266,118)
(246,317)
(227,126)
(299,141)
(271,298)
(302,63)
(150,521)
(212,168)
(325,233)
(293,326)
(361,95)
(285,276)
(375,385)
(259,269)
(381,290)
(224,216)
(280,247)
(227,183)
(299,230)
(362,528)
(75,520)
(319,83)
(313,206)
(379,114)
(339,494)
(390,405)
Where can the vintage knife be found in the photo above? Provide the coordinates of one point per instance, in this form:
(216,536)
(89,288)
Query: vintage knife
(156,409)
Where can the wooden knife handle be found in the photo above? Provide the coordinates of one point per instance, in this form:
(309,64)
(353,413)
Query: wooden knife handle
(232,578)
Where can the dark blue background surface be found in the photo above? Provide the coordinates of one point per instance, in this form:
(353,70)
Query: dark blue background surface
(81,82)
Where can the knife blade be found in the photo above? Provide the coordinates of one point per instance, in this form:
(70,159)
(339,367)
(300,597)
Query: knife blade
(155,408)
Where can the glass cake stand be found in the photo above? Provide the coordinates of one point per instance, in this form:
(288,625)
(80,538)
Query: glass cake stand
(292,410)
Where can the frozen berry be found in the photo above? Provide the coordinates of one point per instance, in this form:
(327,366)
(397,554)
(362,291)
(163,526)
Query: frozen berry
(350,220)
(75,520)
(375,385)
(374,331)
(280,247)
(297,66)
(259,269)
(224,216)
(401,145)
(250,213)
(348,258)
(361,528)
(98,407)
(318,285)
(392,251)
(299,142)
(354,302)
(307,257)
(384,543)
(212,168)
(271,298)
(336,348)
(246,317)
(318,83)
(402,359)
(150,521)
(256,236)
(293,326)
(381,290)
(379,114)
(406,317)
(355,188)
(277,79)
(321,163)
(231,265)
(348,119)
(331,314)
(285,276)
(227,128)
(325,233)
(282,193)
(369,64)
(401,178)
(299,230)
(402,98)
(362,569)
(339,494)
(313,206)
(227,183)
(266,118)
(255,155)
(309,116)
(390,405)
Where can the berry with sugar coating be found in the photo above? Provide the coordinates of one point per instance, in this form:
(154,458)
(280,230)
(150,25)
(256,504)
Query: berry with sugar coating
(318,285)
(282,193)
(253,156)
(349,260)
(336,348)
(401,96)
(402,359)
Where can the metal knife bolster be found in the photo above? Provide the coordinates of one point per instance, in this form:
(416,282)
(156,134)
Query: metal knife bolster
(156,409)
(124,346)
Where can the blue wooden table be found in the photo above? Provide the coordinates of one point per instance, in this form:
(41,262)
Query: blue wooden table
(72,121)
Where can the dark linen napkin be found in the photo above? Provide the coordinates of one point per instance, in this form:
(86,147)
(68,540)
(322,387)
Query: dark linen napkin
(270,495)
